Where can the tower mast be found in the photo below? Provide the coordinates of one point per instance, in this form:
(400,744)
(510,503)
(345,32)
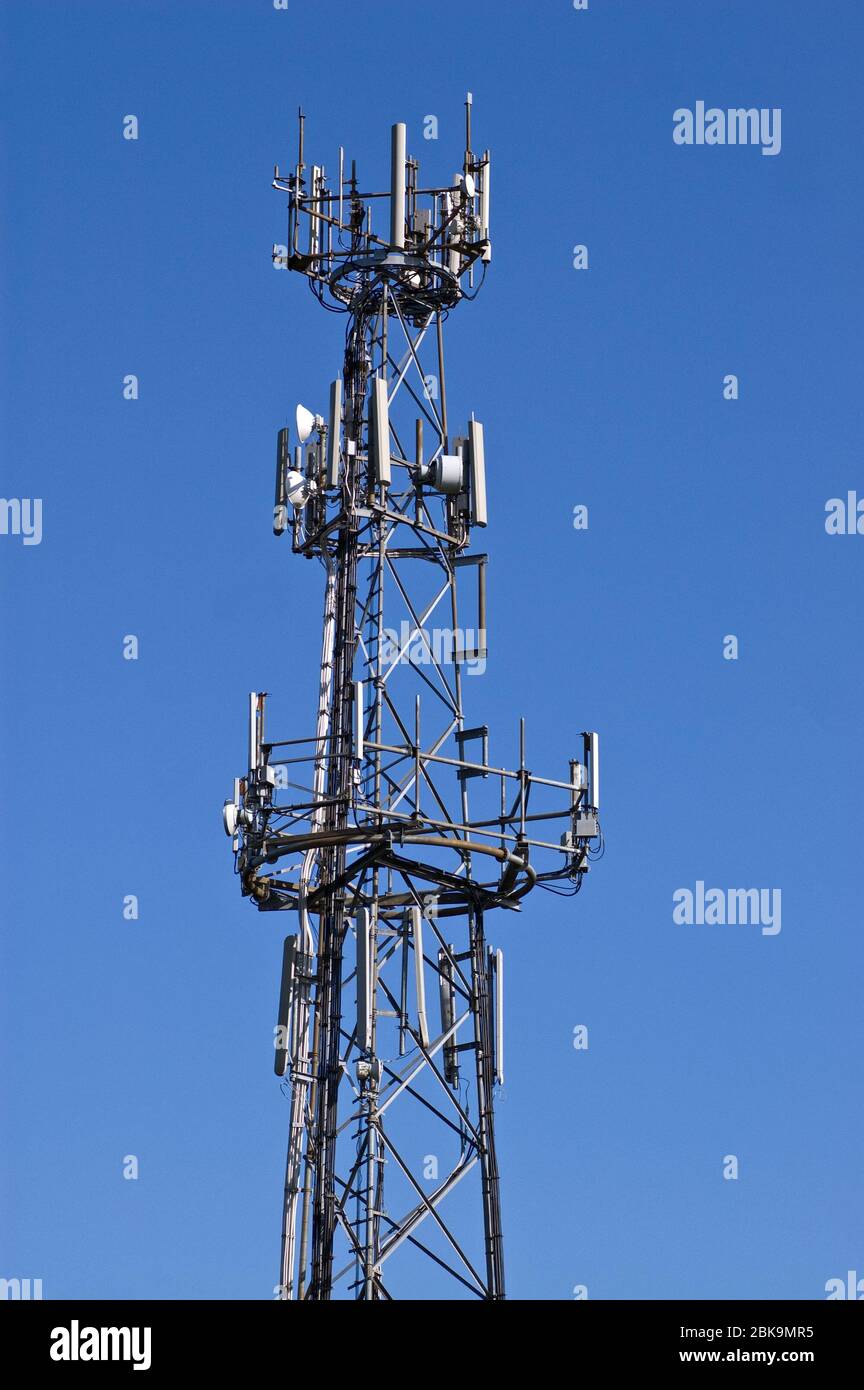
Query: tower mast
(391,1004)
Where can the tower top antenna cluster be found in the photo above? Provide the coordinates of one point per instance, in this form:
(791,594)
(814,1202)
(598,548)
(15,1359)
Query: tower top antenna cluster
(423,242)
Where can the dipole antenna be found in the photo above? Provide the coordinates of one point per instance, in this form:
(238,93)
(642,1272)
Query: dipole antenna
(387,830)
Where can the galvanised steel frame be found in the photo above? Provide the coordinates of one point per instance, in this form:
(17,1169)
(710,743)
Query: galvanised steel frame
(390,1024)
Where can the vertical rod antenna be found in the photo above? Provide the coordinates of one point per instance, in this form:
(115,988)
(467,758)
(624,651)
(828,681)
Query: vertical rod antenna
(469,158)
(341,181)
(522,775)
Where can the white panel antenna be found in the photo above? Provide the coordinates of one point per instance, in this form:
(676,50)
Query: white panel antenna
(447,996)
(592,759)
(283,455)
(359,718)
(282,1039)
(256,728)
(477,465)
(486,170)
(498,958)
(334,434)
(314,222)
(364,980)
(380,443)
(419,974)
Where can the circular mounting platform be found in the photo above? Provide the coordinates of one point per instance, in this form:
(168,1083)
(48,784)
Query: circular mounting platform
(419,285)
(382,846)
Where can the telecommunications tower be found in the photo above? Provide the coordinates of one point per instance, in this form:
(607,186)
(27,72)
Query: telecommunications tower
(389,829)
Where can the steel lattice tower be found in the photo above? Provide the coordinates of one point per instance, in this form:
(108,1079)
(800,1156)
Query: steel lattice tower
(391,1007)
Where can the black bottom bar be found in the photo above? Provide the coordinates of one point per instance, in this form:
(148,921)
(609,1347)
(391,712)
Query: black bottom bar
(163,1337)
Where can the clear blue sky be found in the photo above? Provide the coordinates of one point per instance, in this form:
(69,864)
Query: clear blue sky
(601,387)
